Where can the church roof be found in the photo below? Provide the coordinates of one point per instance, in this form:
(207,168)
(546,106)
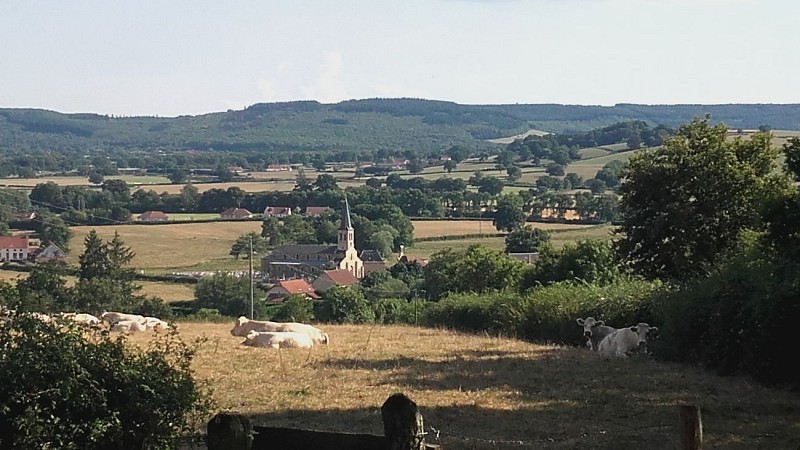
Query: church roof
(371,256)
(304,249)
(346,224)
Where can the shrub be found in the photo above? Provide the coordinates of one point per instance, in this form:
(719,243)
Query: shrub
(295,308)
(343,305)
(495,312)
(400,311)
(103,394)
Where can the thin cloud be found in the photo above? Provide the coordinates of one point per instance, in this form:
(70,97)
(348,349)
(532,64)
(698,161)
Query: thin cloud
(328,88)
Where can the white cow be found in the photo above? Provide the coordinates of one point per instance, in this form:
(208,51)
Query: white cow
(111,317)
(595,331)
(278,340)
(154,323)
(129,326)
(243,326)
(626,341)
(81,318)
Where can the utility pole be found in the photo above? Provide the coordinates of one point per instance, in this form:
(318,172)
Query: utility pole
(251,278)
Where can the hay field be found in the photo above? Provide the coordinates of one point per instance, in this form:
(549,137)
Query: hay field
(474,389)
(169,292)
(587,168)
(82,181)
(432,228)
(174,247)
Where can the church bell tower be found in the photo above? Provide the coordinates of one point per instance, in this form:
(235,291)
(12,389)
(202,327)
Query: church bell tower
(345,234)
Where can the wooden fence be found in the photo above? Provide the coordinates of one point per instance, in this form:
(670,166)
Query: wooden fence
(402,425)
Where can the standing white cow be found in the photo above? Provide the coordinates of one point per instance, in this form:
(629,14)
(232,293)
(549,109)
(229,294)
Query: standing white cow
(595,331)
(278,340)
(625,341)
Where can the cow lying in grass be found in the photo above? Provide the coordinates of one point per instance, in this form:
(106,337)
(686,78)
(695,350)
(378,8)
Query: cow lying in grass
(243,326)
(595,331)
(626,341)
(278,340)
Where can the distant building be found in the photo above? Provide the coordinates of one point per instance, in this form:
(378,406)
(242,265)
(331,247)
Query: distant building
(331,278)
(51,253)
(278,168)
(236,213)
(153,216)
(285,288)
(13,248)
(24,215)
(526,257)
(310,260)
(373,261)
(314,211)
(405,259)
(277,211)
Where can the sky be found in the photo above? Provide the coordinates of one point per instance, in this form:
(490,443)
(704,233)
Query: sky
(188,57)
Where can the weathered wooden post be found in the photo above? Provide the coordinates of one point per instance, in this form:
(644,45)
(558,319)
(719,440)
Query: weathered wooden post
(691,427)
(229,432)
(402,423)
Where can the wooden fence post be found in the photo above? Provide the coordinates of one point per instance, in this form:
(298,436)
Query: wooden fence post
(691,427)
(402,423)
(229,432)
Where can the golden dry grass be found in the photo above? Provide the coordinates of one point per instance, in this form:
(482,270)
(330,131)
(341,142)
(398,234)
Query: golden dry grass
(174,247)
(432,228)
(168,292)
(80,181)
(476,389)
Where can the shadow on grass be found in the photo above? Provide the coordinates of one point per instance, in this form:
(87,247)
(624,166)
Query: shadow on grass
(567,398)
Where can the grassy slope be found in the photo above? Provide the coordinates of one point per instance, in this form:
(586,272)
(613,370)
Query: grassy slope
(479,388)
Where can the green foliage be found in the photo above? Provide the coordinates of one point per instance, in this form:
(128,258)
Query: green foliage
(509,214)
(683,205)
(585,261)
(475,269)
(391,288)
(738,320)
(226,293)
(526,239)
(343,305)
(400,311)
(242,245)
(73,388)
(611,173)
(295,308)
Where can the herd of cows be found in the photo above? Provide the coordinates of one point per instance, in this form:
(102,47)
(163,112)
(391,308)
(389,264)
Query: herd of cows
(616,342)
(607,341)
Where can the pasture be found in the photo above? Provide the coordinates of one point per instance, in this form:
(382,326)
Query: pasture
(486,392)
(169,292)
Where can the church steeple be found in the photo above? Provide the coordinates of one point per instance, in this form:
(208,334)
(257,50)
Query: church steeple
(346,237)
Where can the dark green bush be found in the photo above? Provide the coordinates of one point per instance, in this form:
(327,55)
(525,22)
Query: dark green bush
(493,312)
(71,388)
(343,305)
(400,311)
(295,308)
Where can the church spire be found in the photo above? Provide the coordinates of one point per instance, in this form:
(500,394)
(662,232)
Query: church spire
(346,225)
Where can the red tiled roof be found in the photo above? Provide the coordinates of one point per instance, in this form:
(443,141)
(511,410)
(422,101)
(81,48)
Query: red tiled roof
(298,286)
(341,277)
(316,210)
(20,242)
(153,215)
(236,212)
(277,210)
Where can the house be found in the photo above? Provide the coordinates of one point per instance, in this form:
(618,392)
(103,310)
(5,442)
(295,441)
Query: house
(236,213)
(405,259)
(278,168)
(13,248)
(526,257)
(153,216)
(51,253)
(331,278)
(235,169)
(285,288)
(314,211)
(310,260)
(373,261)
(277,211)
(24,215)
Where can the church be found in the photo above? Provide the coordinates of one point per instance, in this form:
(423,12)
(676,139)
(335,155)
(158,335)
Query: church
(308,261)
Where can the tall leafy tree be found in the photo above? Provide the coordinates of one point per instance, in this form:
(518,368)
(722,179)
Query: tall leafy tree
(475,269)
(684,205)
(526,239)
(509,214)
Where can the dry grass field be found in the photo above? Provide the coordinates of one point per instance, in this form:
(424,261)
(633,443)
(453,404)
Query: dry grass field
(431,228)
(81,181)
(484,392)
(174,247)
(169,292)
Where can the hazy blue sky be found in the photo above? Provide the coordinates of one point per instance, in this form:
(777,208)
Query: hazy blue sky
(166,57)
